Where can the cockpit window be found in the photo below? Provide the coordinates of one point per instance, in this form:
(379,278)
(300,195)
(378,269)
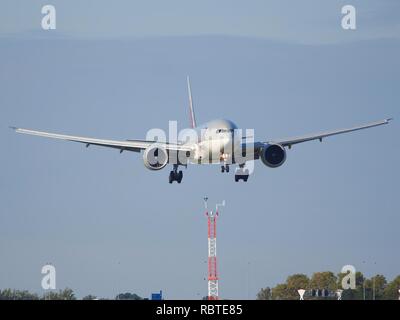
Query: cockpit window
(224,130)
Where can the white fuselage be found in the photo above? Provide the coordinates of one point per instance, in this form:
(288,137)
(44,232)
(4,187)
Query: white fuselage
(215,143)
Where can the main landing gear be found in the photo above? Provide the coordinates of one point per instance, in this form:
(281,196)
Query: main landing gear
(241,174)
(225,168)
(174,175)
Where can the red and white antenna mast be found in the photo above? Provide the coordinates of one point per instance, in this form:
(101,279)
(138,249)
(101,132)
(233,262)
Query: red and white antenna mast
(212,251)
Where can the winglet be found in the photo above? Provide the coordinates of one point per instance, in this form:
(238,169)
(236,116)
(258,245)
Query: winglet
(191,109)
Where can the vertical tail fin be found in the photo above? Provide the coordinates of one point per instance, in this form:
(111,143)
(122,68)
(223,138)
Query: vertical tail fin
(191,109)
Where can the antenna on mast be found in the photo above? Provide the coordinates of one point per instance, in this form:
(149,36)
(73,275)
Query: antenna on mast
(205,202)
(212,250)
(222,204)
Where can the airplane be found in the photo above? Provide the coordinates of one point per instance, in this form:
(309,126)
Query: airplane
(216,143)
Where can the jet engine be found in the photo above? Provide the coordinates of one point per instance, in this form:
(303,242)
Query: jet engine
(273,155)
(155,157)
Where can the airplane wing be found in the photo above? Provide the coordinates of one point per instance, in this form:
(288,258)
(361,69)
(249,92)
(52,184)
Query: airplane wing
(319,136)
(129,145)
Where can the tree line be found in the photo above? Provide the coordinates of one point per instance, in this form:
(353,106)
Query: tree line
(64,294)
(376,287)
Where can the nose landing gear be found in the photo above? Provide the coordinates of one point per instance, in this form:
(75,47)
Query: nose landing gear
(241,174)
(175,175)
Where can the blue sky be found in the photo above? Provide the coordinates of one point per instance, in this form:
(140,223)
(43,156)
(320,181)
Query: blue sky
(307,21)
(109,225)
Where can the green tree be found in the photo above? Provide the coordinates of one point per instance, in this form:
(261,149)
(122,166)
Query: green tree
(375,287)
(294,283)
(10,294)
(324,280)
(6,294)
(280,292)
(89,297)
(26,295)
(264,294)
(66,294)
(128,296)
(391,291)
(287,290)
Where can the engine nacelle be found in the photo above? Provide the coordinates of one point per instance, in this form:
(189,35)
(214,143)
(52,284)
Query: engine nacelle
(155,157)
(273,155)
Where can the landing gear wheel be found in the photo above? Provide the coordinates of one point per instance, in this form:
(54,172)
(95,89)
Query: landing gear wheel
(225,168)
(242,175)
(174,175)
(180,176)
